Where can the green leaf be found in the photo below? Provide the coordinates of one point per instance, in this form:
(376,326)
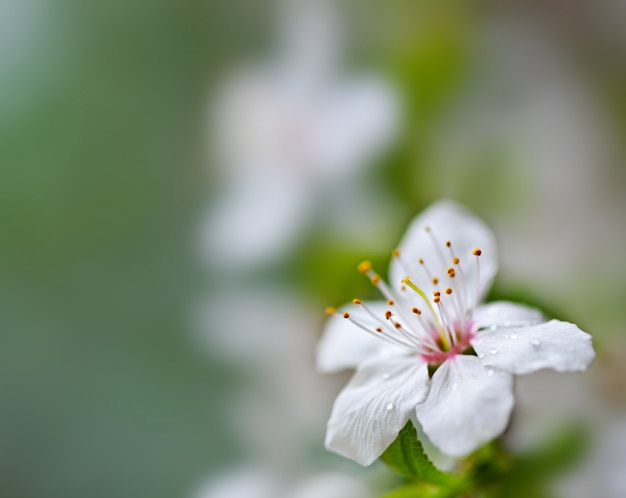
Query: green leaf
(406,456)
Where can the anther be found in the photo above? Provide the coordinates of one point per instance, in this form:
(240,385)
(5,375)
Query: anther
(421,261)
(455,261)
(436,293)
(390,302)
(427,228)
(330,310)
(477,252)
(397,325)
(448,243)
(396,253)
(388,314)
(435,280)
(364,266)
(375,279)
(357,301)
(346,314)
(379,329)
(417,311)
(436,299)
(448,290)
(451,272)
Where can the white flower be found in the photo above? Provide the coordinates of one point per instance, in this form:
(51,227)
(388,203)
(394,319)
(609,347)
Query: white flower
(287,132)
(433,319)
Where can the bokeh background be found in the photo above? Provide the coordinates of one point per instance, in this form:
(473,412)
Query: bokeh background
(185,185)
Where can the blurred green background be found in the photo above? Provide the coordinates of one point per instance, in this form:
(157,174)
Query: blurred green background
(517,108)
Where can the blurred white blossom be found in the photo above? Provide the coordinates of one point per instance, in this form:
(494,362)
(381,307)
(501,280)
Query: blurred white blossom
(259,483)
(287,135)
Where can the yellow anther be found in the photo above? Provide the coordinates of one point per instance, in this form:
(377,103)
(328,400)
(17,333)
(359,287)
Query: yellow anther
(357,301)
(451,272)
(417,311)
(330,310)
(477,252)
(437,299)
(364,266)
(375,279)
(346,314)
(391,302)
(395,253)
(388,314)
(397,325)
(435,280)
(448,290)
(448,243)
(436,293)
(455,261)
(421,261)
(379,329)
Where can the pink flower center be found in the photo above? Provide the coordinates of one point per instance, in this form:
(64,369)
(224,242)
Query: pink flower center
(460,344)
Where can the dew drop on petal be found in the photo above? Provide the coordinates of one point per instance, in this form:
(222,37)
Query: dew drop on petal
(493,351)
(386,376)
(481,355)
(535,342)
(490,371)
(493,327)
(389,406)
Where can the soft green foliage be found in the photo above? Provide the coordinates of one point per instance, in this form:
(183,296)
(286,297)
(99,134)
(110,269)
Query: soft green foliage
(406,456)
(490,472)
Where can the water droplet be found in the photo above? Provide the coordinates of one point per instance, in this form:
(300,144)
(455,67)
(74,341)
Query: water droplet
(389,406)
(535,342)
(455,387)
(493,351)
(493,327)
(514,335)
(490,371)
(481,355)
(386,376)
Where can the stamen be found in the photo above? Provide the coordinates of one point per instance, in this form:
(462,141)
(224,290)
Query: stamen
(357,301)
(330,310)
(476,252)
(346,314)
(435,280)
(364,266)
(408,282)
(451,272)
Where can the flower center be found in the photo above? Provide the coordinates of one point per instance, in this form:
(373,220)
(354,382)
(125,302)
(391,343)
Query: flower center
(444,328)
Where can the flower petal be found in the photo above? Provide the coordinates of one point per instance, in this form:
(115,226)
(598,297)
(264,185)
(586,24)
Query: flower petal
(506,314)
(374,406)
(467,406)
(561,346)
(447,221)
(344,345)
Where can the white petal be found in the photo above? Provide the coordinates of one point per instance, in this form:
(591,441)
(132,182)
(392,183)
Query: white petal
(506,314)
(561,346)
(374,406)
(448,221)
(344,345)
(468,405)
